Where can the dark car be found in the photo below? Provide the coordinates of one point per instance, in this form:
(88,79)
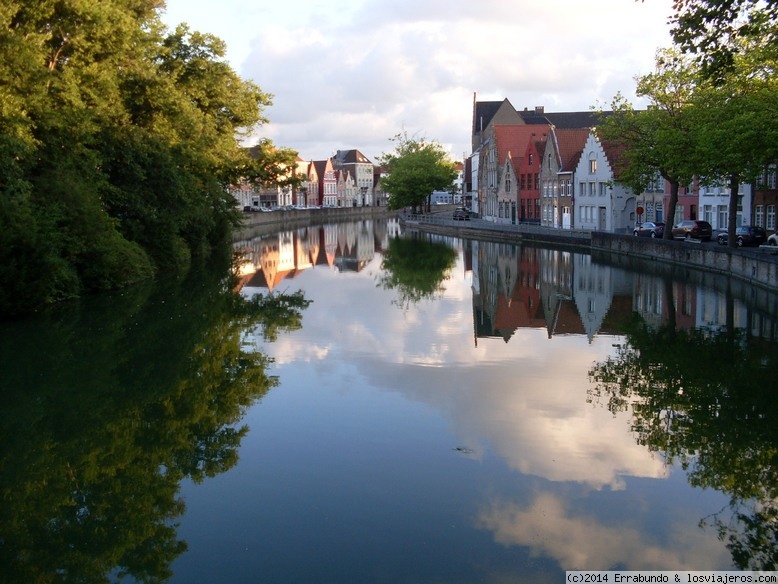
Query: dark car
(461,214)
(773,239)
(745,235)
(693,229)
(649,229)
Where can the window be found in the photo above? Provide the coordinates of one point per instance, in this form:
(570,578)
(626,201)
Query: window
(523,181)
(707,213)
(592,163)
(603,189)
(771,178)
(531,159)
(722,213)
(759,215)
(591,189)
(770,218)
(507,184)
(582,189)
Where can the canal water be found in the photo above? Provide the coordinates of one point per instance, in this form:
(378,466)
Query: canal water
(361,404)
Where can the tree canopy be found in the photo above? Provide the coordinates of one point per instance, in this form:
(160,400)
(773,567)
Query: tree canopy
(701,128)
(714,30)
(118,140)
(658,140)
(415,169)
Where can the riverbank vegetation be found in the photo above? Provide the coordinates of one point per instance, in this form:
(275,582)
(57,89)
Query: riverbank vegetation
(118,138)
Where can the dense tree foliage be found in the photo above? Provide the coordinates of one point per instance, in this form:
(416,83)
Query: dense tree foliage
(108,404)
(714,30)
(735,122)
(657,141)
(698,128)
(415,169)
(118,139)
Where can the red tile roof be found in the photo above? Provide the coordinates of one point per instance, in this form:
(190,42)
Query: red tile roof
(514,139)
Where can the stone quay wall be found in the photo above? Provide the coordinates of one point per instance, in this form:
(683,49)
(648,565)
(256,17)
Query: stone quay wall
(753,265)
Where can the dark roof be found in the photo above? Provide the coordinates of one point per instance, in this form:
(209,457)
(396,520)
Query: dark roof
(483,114)
(351,157)
(588,119)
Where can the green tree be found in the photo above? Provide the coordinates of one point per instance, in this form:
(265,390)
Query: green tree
(416,268)
(736,123)
(118,140)
(713,30)
(415,169)
(660,139)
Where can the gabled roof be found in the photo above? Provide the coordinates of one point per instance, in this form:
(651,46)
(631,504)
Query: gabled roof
(514,139)
(569,145)
(483,112)
(615,155)
(351,157)
(322,166)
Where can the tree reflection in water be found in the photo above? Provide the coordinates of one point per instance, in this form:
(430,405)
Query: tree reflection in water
(706,401)
(107,406)
(416,268)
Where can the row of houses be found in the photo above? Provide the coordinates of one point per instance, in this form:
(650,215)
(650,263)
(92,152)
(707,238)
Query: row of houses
(552,169)
(347,179)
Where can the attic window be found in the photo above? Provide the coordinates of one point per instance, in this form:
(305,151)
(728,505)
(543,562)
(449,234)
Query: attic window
(531,159)
(592,163)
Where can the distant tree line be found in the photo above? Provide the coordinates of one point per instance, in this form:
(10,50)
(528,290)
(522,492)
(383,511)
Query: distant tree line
(118,139)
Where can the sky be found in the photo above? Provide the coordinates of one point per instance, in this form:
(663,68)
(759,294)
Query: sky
(354,74)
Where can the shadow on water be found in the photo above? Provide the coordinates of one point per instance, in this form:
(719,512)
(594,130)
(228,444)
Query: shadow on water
(107,405)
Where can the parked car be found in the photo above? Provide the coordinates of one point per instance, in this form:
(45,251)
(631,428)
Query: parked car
(745,235)
(773,239)
(649,229)
(461,214)
(693,229)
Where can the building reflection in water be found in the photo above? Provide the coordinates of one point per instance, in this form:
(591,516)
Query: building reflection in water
(514,286)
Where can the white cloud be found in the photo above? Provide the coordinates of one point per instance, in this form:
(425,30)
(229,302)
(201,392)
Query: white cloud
(353,74)
(549,528)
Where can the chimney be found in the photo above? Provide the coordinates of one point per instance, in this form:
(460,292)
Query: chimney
(539,109)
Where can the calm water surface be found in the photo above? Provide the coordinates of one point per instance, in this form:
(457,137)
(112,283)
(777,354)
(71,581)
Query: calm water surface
(441,411)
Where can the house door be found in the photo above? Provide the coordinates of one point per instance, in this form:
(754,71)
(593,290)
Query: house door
(602,220)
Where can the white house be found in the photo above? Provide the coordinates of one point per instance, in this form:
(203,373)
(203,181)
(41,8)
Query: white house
(602,204)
